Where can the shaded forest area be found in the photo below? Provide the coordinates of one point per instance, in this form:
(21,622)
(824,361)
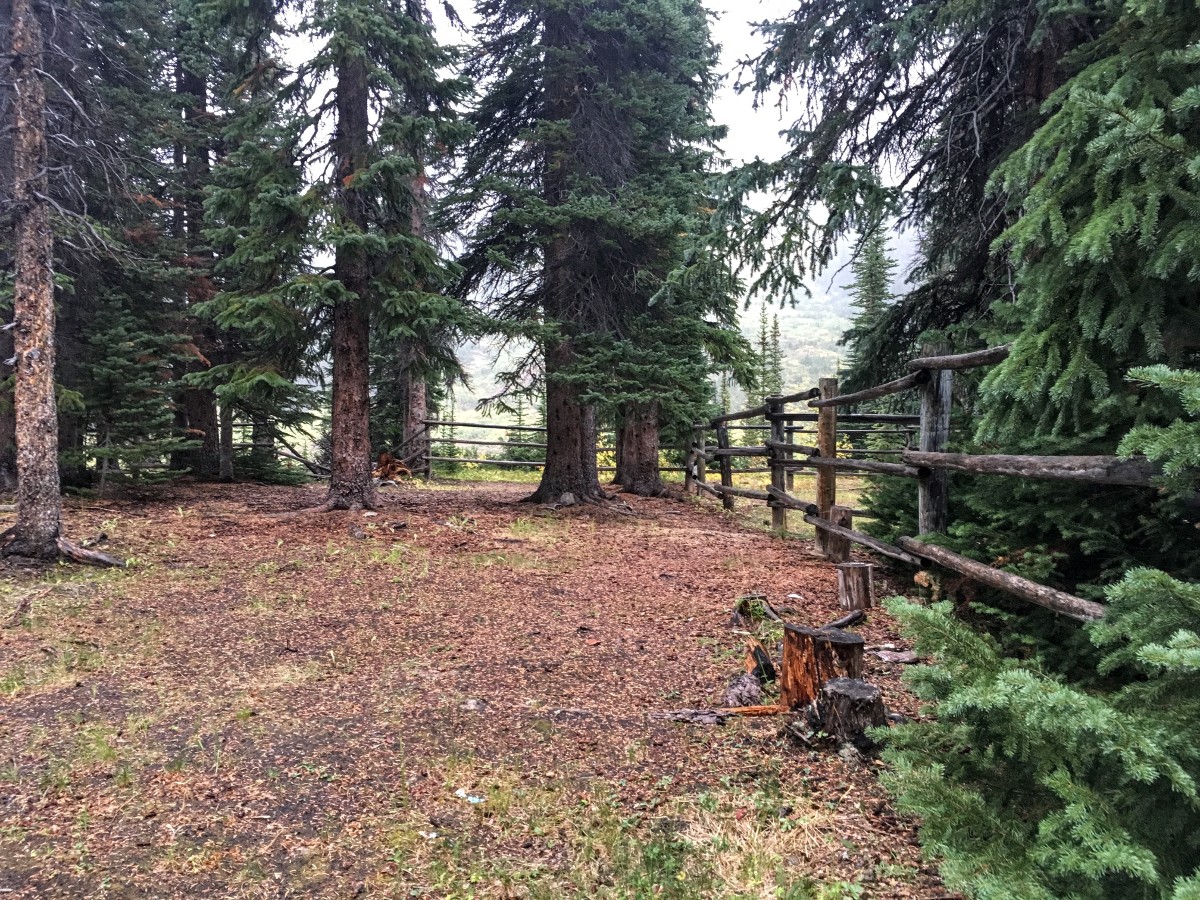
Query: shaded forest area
(222,221)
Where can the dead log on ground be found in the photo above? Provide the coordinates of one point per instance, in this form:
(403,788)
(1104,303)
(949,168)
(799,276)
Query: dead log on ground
(851,618)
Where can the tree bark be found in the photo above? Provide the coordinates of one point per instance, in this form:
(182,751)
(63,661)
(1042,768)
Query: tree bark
(570,466)
(639,451)
(856,589)
(226,466)
(262,440)
(8,421)
(199,407)
(570,435)
(350,483)
(39,500)
(813,656)
(416,412)
(848,707)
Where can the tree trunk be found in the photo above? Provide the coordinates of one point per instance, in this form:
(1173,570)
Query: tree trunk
(39,500)
(415,414)
(200,410)
(639,451)
(8,421)
(263,441)
(570,436)
(350,483)
(226,464)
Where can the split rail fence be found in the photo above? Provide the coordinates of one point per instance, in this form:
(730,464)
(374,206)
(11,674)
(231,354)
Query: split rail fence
(927,464)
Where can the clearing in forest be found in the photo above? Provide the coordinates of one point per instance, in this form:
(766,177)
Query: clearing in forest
(450,698)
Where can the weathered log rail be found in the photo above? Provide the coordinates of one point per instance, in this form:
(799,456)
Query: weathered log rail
(928,463)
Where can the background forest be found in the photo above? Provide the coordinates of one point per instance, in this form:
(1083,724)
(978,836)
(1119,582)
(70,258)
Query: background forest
(210,241)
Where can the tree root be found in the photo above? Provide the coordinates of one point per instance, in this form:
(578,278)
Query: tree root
(78,554)
(330,505)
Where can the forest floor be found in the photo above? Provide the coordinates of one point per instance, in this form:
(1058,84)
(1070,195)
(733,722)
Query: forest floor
(451,698)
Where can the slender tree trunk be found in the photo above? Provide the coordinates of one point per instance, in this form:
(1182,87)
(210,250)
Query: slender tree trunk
(415,414)
(619,473)
(262,439)
(639,451)
(39,501)
(226,466)
(350,483)
(8,420)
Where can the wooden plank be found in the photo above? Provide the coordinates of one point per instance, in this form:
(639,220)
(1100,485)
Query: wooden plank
(725,450)
(856,418)
(795,398)
(908,382)
(962,360)
(785,447)
(743,414)
(933,491)
(434,423)
(1050,598)
(864,540)
(748,493)
(855,465)
(1137,472)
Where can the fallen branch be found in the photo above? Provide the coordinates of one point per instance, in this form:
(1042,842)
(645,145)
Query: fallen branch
(851,618)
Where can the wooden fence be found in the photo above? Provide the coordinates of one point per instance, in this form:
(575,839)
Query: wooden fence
(927,464)
(426,456)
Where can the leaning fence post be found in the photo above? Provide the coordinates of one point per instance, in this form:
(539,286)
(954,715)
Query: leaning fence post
(933,494)
(701,459)
(827,449)
(775,458)
(726,464)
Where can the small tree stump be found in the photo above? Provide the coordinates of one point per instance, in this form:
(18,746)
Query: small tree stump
(811,657)
(848,707)
(837,548)
(855,587)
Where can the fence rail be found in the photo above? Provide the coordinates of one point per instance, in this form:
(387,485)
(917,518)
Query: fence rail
(932,376)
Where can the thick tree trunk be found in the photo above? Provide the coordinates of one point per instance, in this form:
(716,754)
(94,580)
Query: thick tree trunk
(350,483)
(39,501)
(200,410)
(639,451)
(570,436)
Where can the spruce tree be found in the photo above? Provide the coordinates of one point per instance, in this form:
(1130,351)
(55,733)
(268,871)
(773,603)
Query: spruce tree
(871,294)
(587,165)
(385,271)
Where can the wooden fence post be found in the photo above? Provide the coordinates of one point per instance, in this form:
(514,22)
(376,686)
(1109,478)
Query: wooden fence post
(726,464)
(791,473)
(827,448)
(775,459)
(933,506)
(701,462)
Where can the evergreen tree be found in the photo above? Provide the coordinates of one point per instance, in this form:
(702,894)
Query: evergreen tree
(367,214)
(871,294)
(587,163)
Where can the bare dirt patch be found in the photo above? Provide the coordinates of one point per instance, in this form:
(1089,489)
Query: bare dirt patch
(457,704)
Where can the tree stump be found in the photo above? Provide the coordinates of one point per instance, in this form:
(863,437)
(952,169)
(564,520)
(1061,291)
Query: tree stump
(811,657)
(855,587)
(837,548)
(848,707)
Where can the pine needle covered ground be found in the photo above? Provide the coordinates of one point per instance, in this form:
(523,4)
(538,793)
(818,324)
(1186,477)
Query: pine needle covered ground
(449,699)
